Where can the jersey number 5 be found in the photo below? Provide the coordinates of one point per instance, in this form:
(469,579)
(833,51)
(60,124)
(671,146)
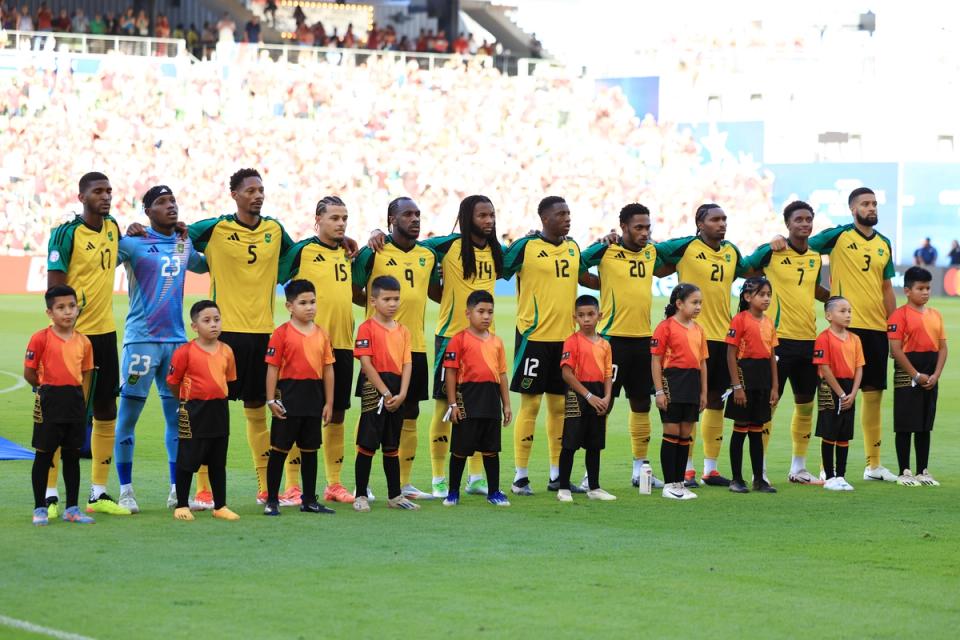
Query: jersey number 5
(252,252)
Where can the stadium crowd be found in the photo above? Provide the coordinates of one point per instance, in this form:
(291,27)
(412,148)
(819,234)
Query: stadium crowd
(369,132)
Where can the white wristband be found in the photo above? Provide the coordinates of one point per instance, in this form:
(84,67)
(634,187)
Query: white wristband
(588,396)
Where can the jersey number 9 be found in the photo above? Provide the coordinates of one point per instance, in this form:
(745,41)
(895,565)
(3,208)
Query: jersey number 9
(408,276)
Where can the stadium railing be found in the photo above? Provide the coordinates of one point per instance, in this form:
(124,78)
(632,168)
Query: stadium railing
(91,44)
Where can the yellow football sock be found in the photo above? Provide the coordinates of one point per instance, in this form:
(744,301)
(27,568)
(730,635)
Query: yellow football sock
(333,452)
(526,424)
(639,427)
(475,464)
(293,468)
(801,425)
(870,423)
(765,435)
(439,440)
(556,408)
(711,429)
(101,450)
(54,466)
(258,437)
(408,450)
(203,480)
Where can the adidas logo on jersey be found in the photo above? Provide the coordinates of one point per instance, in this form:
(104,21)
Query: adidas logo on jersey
(153,249)
(701,256)
(542,254)
(852,245)
(90,246)
(620,255)
(391,262)
(319,258)
(786,261)
(234,236)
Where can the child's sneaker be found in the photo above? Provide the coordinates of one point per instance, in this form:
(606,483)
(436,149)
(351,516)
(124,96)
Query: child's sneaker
(203,501)
(477,487)
(907,479)
(53,507)
(927,480)
(831,484)
(128,500)
(410,492)
(401,502)
(441,489)
(313,506)
(452,499)
(762,486)
(563,495)
(521,487)
(600,494)
(224,513)
(292,497)
(673,491)
(337,493)
(687,494)
(105,504)
(271,508)
(183,513)
(361,504)
(40,517)
(738,486)
(73,514)
(498,499)
(844,485)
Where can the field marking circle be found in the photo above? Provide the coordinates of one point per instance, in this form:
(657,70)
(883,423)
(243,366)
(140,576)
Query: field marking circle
(19,384)
(39,630)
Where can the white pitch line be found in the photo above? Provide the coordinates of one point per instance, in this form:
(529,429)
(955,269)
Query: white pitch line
(20,382)
(44,631)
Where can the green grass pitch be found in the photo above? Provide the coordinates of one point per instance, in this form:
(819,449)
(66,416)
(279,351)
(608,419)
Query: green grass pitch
(805,562)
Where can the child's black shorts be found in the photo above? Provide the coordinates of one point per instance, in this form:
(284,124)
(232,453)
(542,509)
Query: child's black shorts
(582,427)
(304,431)
(204,419)
(378,428)
(682,388)
(830,424)
(192,453)
(48,436)
(473,435)
(756,411)
(914,408)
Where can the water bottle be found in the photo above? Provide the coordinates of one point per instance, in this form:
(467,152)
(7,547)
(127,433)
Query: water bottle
(646,479)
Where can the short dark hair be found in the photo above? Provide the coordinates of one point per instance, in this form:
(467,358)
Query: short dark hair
(833,301)
(476,297)
(237,179)
(914,275)
(856,193)
(384,283)
(89,178)
(793,207)
(548,202)
(58,291)
(327,201)
(200,307)
(586,300)
(702,212)
(295,287)
(633,209)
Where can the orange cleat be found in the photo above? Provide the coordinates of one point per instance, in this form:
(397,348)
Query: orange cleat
(337,493)
(224,513)
(292,497)
(182,513)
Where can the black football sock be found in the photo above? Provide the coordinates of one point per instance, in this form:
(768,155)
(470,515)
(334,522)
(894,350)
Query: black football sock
(736,455)
(457,464)
(274,474)
(42,460)
(308,474)
(756,454)
(361,472)
(826,458)
(217,471)
(391,469)
(592,460)
(921,441)
(183,480)
(70,463)
(842,450)
(902,441)
(668,458)
(566,467)
(491,465)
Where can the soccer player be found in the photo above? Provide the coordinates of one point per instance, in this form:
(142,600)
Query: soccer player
(839,355)
(794,272)
(383,348)
(300,382)
(918,342)
(156,265)
(626,272)
(200,372)
(861,265)
(82,254)
(712,264)
(477,390)
(587,369)
(59,365)
(411,264)
(325,262)
(547,265)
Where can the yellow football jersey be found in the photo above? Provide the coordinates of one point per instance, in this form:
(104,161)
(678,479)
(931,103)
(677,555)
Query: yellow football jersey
(453,301)
(793,276)
(330,271)
(547,275)
(626,281)
(712,271)
(413,270)
(858,267)
(88,256)
(244,264)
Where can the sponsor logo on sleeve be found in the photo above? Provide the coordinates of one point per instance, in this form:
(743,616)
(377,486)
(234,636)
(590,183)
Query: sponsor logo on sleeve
(362,344)
(449,355)
(891,328)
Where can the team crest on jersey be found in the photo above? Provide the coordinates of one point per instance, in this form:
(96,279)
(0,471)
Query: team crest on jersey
(646,254)
(879,252)
(109,235)
(812,263)
(526,383)
(363,344)
(423,262)
(181,247)
(133,379)
(267,237)
(727,257)
(570,251)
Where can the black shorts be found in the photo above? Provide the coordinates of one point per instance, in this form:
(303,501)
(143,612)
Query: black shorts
(678,412)
(195,452)
(378,428)
(830,424)
(419,388)
(107,362)
(249,351)
(795,363)
(304,431)
(718,373)
(342,378)
(48,436)
(914,408)
(582,427)
(203,419)
(439,374)
(631,369)
(756,412)
(478,434)
(876,353)
(537,367)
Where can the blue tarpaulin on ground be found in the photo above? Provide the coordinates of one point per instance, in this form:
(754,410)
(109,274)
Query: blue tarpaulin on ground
(12,451)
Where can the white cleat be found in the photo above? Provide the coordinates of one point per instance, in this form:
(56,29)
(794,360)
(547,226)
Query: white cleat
(564,495)
(927,480)
(844,485)
(907,479)
(600,494)
(804,477)
(879,473)
(129,501)
(410,492)
(831,484)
